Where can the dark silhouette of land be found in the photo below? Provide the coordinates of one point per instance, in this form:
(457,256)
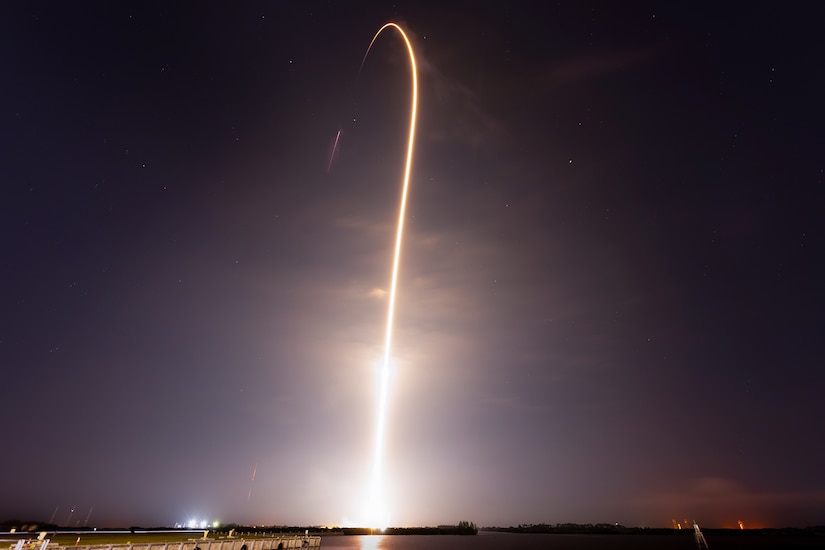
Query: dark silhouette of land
(615,529)
(461,528)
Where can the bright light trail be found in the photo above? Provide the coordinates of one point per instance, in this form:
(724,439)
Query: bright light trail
(378,513)
(334,148)
(254,471)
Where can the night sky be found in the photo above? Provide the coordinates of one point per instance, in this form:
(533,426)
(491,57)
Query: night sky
(610,306)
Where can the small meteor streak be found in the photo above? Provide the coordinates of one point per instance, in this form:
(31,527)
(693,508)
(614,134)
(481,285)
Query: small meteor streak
(378,510)
(254,471)
(334,149)
(86,521)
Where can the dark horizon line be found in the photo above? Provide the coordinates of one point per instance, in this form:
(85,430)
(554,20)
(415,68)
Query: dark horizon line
(37,526)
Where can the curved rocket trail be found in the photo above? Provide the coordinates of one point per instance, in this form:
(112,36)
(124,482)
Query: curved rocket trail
(379,512)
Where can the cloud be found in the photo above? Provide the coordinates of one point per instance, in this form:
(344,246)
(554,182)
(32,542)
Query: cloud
(580,68)
(377,293)
(469,124)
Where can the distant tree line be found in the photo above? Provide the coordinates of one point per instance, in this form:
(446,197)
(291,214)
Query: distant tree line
(616,529)
(579,529)
(463,528)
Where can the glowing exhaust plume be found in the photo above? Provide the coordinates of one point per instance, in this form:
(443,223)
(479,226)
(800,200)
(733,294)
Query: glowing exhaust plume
(378,514)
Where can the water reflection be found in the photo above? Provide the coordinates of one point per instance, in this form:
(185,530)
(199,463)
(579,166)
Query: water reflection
(372,542)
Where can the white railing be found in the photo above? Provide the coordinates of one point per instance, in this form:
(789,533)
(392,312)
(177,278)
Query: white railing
(277,542)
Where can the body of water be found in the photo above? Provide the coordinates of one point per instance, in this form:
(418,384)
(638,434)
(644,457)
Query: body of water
(505,541)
